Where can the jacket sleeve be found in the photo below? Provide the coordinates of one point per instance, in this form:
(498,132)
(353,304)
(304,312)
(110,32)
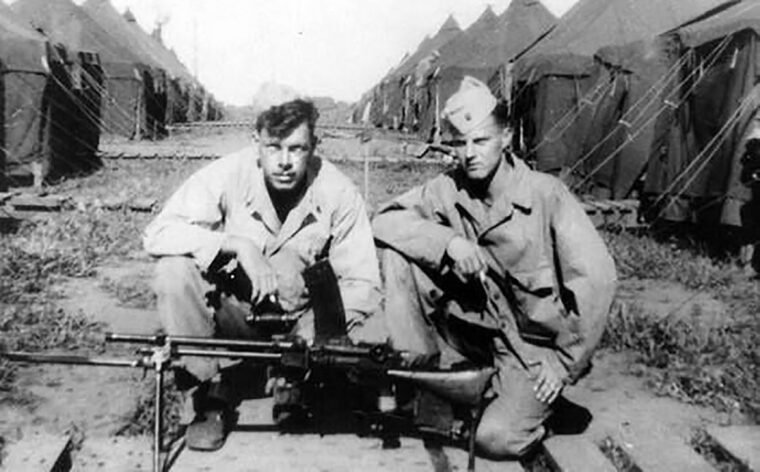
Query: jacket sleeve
(587,280)
(354,258)
(415,224)
(190,223)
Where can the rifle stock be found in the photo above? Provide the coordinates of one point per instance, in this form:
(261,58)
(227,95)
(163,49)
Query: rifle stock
(464,387)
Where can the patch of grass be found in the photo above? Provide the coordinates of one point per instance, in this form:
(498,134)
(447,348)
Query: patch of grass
(39,327)
(141,421)
(692,361)
(133,292)
(643,257)
(708,363)
(36,327)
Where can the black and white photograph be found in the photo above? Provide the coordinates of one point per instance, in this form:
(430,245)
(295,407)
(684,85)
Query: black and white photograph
(380,235)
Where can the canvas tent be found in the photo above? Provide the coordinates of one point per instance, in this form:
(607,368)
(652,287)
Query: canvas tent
(184,92)
(483,47)
(697,171)
(155,75)
(558,83)
(387,98)
(411,96)
(116,79)
(525,22)
(35,102)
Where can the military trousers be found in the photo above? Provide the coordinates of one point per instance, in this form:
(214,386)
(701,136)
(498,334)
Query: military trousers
(184,309)
(512,422)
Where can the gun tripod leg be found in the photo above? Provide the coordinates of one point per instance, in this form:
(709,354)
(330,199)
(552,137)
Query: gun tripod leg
(471,444)
(158,418)
(475,414)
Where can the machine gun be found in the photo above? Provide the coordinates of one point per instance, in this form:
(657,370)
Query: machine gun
(375,367)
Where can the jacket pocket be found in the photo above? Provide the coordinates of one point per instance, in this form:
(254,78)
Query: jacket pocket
(541,318)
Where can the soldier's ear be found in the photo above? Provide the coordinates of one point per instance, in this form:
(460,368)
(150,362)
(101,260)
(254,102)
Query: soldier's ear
(506,138)
(255,136)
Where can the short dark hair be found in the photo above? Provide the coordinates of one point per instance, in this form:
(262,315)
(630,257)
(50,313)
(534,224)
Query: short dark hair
(280,120)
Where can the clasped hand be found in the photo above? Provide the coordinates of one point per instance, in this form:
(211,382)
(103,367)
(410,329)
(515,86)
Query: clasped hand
(467,258)
(255,265)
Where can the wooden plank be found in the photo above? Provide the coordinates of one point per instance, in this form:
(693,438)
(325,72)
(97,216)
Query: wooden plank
(37,203)
(589,208)
(576,454)
(630,203)
(39,452)
(741,442)
(115,454)
(273,450)
(617,205)
(657,449)
(601,206)
(143,204)
(115,203)
(5,196)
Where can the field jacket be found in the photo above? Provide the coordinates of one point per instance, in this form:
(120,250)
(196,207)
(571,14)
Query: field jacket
(229,196)
(550,279)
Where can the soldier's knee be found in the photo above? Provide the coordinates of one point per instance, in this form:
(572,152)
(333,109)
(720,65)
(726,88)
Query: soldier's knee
(503,442)
(392,261)
(173,274)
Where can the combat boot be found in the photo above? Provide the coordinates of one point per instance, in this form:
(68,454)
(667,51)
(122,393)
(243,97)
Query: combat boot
(214,418)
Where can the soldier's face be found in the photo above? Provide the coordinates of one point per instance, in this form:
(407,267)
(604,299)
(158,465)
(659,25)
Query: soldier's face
(480,151)
(284,161)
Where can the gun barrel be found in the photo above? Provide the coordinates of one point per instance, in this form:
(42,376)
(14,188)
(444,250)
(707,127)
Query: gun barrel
(264,356)
(197,341)
(64,359)
(134,338)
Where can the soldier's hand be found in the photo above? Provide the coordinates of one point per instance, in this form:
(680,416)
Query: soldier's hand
(467,257)
(549,383)
(255,265)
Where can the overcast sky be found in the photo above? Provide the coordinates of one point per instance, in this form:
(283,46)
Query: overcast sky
(337,48)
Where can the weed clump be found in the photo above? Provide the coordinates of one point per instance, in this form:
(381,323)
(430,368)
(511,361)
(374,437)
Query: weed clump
(132,292)
(142,420)
(643,257)
(716,365)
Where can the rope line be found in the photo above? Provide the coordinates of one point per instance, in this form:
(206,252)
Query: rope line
(710,151)
(667,103)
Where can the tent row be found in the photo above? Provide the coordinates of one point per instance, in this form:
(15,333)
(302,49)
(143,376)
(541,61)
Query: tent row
(73,73)
(411,95)
(652,99)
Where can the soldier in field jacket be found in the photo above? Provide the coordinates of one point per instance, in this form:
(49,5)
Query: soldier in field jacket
(496,263)
(272,209)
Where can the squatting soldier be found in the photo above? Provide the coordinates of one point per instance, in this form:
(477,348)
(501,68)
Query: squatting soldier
(272,208)
(494,262)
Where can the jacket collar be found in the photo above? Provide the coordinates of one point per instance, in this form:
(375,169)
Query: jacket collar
(518,195)
(260,205)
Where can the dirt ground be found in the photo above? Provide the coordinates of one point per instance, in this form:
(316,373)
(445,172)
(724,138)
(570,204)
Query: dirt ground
(97,402)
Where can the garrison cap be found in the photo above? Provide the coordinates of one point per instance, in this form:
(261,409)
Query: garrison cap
(470,105)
